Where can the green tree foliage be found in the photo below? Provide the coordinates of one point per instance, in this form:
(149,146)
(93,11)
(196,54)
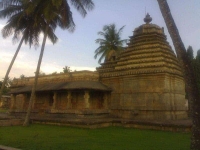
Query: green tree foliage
(54,73)
(195,62)
(22,76)
(5,89)
(189,75)
(196,66)
(55,13)
(198,55)
(8,83)
(21,23)
(4,3)
(110,43)
(190,53)
(66,69)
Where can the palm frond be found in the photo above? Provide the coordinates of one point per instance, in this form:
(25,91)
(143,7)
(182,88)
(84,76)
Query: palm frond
(82,5)
(120,30)
(111,42)
(51,35)
(6,3)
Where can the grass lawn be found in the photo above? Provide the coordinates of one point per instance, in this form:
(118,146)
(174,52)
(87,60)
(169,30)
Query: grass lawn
(49,137)
(2,110)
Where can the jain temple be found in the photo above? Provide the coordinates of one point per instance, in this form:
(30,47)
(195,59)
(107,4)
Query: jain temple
(144,82)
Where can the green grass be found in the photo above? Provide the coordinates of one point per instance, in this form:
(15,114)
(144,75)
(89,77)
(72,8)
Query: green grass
(49,137)
(2,110)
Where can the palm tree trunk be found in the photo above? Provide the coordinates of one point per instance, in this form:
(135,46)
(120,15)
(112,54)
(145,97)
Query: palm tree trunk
(190,81)
(10,66)
(27,118)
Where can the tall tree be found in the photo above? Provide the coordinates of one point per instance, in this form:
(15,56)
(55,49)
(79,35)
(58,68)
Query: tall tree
(4,3)
(55,13)
(21,23)
(22,76)
(196,66)
(6,86)
(191,86)
(190,53)
(66,69)
(198,55)
(110,43)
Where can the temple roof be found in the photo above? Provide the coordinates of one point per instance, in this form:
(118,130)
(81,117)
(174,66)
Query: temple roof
(58,78)
(74,85)
(147,52)
(147,19)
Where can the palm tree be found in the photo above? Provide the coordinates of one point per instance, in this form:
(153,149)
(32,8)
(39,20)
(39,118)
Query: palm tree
(111,42)
(21,23)
(191,84)
(55,13)
(5,3)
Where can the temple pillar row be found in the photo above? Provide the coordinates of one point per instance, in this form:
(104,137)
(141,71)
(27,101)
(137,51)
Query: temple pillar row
(69,100)
(105,101)
(13,101)
(86,99)
(54,100)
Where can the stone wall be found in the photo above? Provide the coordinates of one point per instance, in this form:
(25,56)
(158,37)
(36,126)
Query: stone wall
(153,96)
(56,78)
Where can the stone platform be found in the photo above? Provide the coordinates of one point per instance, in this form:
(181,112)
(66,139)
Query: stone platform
(172,125)
(100,122)
(8,120)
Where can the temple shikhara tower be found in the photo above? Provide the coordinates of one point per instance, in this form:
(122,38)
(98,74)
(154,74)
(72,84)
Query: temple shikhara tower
(145,81)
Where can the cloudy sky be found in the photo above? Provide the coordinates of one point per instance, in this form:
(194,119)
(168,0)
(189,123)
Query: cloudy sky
(77,49)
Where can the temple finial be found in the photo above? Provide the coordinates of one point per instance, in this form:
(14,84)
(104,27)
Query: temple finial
(147,19)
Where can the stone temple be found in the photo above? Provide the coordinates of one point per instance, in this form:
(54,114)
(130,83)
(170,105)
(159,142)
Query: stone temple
(145,82)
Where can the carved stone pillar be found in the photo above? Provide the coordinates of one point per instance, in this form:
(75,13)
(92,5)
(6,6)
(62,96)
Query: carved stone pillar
(69,100)
(13,101)
(86,99)
(54,100)
(24,100)
(105,101)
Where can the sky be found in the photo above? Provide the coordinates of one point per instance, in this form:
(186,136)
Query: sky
(76,49)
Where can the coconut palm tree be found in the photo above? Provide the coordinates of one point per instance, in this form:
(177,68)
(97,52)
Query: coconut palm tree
(55,13)
(4,3)
(191,84)
(110,43)
(21,24)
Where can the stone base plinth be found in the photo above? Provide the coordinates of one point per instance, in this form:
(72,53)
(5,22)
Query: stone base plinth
(150,114)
